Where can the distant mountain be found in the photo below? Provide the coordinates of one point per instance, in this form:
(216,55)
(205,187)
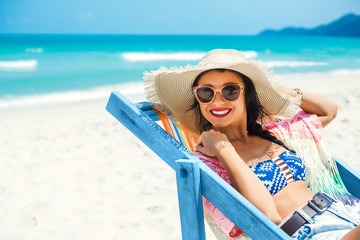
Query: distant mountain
(348,26)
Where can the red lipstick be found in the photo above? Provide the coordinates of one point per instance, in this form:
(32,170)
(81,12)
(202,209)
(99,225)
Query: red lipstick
(221,112)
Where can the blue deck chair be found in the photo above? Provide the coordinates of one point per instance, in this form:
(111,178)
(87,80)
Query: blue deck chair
(195,179)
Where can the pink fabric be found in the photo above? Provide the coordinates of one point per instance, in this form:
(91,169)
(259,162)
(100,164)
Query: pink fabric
(295,125)
(304,125)
(218,217)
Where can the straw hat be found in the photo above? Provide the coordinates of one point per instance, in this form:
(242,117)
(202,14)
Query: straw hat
(169,90)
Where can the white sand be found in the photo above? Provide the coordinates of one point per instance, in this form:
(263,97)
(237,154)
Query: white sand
(74,172)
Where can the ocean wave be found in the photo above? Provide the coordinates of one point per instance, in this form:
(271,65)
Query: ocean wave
(293,64)
(27,65)
(250,54)
(34,50)
(134,91)
(342,72)
(353,73)
(139,56)
(178,56)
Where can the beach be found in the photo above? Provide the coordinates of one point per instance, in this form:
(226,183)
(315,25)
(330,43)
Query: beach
(71,171)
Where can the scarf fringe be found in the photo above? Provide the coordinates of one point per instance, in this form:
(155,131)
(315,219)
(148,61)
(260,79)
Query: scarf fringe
(322,172)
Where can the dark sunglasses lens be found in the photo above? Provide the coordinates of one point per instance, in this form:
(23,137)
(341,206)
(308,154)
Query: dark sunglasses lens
(205,94)
(231,93)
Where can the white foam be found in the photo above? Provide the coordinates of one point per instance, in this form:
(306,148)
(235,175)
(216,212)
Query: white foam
(293,64)
(317,76)
(27,65)
(345,72)
(178,56)
(131,90)
(34,50)
(138,56)
(250,54)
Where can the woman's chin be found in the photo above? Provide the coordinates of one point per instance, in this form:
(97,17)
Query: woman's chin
(220,125)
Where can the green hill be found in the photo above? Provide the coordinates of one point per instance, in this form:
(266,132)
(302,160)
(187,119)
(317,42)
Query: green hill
(348,25)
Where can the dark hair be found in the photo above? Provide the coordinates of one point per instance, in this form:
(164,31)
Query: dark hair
(254,109)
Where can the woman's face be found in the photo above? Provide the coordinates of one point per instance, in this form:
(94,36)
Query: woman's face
(220,112)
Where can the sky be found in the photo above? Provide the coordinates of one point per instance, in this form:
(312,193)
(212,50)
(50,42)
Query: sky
(218,17)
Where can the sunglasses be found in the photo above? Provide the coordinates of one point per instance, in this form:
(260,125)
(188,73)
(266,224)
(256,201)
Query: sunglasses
(206,94)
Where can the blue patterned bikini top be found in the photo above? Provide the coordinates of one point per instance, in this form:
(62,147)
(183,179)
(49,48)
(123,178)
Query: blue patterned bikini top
(278,172)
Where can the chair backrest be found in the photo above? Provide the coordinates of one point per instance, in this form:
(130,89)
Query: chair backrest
(140,120)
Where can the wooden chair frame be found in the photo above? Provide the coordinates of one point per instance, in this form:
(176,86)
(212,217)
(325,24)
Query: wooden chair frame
(195,179)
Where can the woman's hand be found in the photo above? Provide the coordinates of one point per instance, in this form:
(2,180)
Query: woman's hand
(212,142)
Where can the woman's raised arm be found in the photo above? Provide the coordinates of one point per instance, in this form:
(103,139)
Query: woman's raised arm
(324,108)
(312,103)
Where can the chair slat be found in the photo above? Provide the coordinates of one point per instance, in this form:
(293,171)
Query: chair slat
(190,199)
(350,178)
(148,131)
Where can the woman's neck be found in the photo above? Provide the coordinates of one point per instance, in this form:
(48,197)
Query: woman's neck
(235,134)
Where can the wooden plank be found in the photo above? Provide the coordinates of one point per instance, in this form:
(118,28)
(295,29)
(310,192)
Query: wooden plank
(150,133)
(350,178)
(144,106)
(190,200)
(148,110)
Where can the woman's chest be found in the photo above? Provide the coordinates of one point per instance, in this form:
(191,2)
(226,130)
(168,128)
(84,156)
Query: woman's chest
(258,151)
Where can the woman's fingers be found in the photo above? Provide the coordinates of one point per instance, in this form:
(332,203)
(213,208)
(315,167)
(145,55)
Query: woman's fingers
(211,142)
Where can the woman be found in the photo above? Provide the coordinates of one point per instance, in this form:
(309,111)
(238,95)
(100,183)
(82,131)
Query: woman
(230,101)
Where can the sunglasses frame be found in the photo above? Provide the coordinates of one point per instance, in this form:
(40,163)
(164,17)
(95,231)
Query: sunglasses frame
(194,90)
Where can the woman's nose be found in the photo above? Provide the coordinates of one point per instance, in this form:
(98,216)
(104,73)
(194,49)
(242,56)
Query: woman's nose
(218,97)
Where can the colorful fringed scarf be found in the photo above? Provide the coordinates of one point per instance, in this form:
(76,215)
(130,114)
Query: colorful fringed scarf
(303,134)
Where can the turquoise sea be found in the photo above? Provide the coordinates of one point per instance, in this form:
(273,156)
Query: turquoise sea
(58,68)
